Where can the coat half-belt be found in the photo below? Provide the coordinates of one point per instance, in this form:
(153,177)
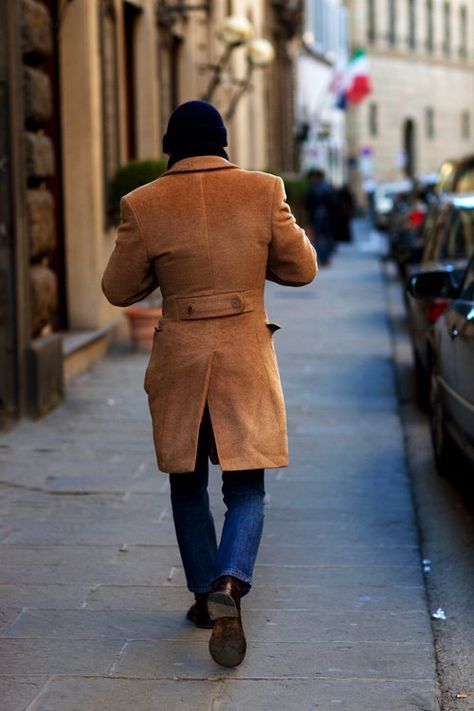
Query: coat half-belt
(209,233)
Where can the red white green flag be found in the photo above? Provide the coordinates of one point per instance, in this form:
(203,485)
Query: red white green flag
(358,84)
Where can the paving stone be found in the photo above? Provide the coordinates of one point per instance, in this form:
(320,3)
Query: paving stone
(57,656)
(166,621)
(332,511)
(48,596)
(304,575)
(322,695)
(237,695)
(146,532)
(17,694)
(79,694)
(368,594)
(7,616)
(337,554)
(317,532)
(147,565)
(155,526)
(339,660)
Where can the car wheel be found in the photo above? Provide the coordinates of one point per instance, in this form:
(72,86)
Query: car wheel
(446,456)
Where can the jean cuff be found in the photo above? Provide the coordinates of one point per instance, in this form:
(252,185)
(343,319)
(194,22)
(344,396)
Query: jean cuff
(247,582)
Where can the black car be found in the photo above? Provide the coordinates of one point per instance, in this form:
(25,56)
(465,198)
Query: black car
(448,243)
(451,346)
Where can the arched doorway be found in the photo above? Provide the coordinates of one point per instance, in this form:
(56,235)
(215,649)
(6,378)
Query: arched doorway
(409,147)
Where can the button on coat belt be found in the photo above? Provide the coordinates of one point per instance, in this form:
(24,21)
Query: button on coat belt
(212,306)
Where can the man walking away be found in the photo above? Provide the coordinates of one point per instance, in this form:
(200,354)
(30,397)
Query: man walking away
(321,205)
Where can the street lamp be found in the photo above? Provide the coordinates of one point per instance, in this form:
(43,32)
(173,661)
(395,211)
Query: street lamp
(260,54)
(237,31)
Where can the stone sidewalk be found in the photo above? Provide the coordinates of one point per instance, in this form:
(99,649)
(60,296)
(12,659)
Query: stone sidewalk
(92,594)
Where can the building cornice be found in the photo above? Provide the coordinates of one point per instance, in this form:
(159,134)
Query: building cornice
(419,57)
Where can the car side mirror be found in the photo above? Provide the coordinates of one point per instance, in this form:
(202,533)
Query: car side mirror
(432,285)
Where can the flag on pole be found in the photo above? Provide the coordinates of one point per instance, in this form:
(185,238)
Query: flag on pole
(351,80)
(358,84)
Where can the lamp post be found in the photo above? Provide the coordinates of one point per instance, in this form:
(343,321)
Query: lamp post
(237,31)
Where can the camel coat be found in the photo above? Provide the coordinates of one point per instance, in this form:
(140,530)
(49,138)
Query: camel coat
(209,233)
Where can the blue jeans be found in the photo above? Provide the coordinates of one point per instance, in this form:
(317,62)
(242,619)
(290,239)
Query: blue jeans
(203,560)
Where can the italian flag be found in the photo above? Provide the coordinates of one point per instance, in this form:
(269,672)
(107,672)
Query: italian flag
(357,84)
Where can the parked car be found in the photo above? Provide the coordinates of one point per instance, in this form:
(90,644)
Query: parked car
(451,345)
(448,243)
(384,199)
(406,222)
(456,175)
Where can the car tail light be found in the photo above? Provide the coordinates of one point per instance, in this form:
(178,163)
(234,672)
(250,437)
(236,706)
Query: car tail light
(434,309)
(416,217)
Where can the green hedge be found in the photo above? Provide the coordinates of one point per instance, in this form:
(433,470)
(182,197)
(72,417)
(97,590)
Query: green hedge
(296,187)
(139,172)
(132,175)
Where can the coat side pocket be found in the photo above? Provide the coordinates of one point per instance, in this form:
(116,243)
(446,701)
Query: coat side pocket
(146,383)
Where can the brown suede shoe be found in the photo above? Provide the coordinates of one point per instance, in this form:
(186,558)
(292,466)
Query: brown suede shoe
(227,645)
(198,613)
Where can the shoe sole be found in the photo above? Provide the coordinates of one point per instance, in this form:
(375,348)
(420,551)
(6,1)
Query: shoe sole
(220,604)
(228,648)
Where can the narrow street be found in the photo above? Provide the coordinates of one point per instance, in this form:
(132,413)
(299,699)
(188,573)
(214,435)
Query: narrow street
(92,594)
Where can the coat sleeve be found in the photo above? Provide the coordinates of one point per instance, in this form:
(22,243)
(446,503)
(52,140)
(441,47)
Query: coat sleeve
(291,256)
(129,275)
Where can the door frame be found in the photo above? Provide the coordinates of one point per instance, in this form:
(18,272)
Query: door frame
(20,246)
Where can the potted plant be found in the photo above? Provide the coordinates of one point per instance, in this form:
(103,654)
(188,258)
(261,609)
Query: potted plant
(143,316)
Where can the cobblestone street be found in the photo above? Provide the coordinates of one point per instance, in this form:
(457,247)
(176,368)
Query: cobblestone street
(92,594)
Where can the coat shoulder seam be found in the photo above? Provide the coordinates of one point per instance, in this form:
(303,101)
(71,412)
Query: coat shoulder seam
(140,229)
(276,183)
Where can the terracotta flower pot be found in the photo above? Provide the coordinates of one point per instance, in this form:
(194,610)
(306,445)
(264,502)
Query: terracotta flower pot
(142,320)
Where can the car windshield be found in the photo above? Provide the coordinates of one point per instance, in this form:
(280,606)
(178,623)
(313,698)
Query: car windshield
(465,180)
(456,176)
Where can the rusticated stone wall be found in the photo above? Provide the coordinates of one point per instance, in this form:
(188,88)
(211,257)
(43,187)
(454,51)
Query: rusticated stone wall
(37,46)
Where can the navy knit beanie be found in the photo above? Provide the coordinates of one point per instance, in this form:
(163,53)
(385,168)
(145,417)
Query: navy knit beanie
(194,123)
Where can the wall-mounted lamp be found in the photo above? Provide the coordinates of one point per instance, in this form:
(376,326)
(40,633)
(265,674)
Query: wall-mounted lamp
(238,31)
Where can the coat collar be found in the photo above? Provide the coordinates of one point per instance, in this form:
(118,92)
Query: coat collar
(197,163)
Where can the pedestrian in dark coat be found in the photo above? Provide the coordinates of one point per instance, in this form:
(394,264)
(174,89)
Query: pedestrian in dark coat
(209,233)
(321,205)
(344,214)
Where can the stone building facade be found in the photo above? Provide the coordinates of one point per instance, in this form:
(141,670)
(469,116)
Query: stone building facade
(421,111)
(31,352)
(87,86)
(261,133)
